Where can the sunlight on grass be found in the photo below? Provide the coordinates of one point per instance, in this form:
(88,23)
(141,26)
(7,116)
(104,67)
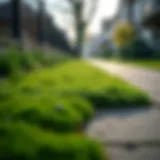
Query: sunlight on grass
(153,64)
(79,78)
(46,111)
(148,63)
(62,98)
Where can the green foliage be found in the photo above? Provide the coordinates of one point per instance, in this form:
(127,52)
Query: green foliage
(146,63)
(15,61)
(27,61)
(9,62)
(124,34)
(22,141)
(107,52)
(136,50)
(40,115)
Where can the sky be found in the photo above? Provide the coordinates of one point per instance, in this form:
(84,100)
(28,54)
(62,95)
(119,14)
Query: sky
(105,9)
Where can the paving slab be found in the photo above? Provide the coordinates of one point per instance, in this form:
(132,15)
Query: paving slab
(132,134)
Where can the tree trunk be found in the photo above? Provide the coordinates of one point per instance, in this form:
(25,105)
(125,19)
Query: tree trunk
(40,25)
(80,28)
(16,22)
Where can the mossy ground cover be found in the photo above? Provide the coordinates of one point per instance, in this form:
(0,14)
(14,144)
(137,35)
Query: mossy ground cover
(79,78)
(21,141)
(59,100)
(63,98)
(153,64)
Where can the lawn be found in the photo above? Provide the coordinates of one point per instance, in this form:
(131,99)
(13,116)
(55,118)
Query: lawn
(64,98)
(22,141)
(151,64)
(79,78)
(58,102)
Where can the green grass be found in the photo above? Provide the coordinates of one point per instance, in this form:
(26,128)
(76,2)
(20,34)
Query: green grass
(43,114)
(43,108)
(62,98)
(79,78)
(21,141)
(151,64)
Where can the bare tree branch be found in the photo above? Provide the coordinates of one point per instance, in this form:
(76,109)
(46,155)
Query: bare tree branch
(77,8)
(93,10)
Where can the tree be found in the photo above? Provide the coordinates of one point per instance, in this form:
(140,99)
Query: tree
(130,45)
(40,20)
(124,34)
(77,8)
(16,19)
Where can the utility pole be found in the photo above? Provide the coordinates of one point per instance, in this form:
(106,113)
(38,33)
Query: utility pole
(16,23)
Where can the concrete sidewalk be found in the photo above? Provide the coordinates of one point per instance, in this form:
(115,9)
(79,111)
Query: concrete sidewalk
(130,134)
(145,79)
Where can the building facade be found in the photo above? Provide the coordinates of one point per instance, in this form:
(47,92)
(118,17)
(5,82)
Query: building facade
(28,23)
(151,22)
(145,18)
(144,15)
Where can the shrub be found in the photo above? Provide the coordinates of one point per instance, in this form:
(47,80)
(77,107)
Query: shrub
(137,49)
(14,61)
(106,53)
(124,34)
(27,61)
(21,141)
(129,44)
(9,62)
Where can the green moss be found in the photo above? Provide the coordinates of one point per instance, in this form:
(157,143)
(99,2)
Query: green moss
(145,63)
(79,78)
(62,98)
(62,114)
(21,141)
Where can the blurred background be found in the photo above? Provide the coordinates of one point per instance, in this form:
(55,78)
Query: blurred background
(79,79)
(94,26)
